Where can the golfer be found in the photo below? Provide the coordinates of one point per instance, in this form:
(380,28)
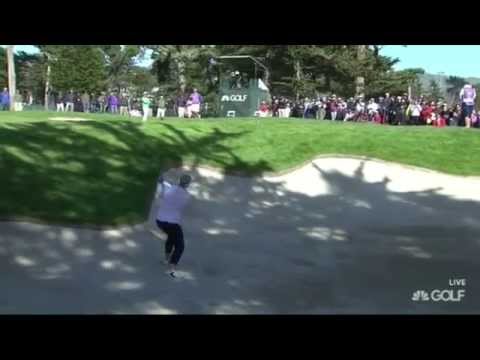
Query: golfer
(146,106)
(174,200)
(467,97)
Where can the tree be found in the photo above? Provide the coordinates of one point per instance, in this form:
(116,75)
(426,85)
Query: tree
(179,56)
(140,79)
(79,67)
(360,80)
(50,55)
(434,93)
(395,83)
(119,61)
(454,86)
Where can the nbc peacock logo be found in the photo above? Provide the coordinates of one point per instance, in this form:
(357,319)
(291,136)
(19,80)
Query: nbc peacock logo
(420,295)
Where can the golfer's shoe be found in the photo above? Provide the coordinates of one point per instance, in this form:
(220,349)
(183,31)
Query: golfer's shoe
(171,274)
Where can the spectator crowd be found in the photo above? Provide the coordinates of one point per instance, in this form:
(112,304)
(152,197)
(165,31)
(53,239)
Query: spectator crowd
(125,103)
(390,110)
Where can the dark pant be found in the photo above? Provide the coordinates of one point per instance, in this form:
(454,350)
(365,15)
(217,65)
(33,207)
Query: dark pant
(174,242)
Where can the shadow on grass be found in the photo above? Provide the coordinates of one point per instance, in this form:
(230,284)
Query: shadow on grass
(98,172)
(256,246)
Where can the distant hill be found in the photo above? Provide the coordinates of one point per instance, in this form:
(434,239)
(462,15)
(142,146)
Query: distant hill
(441,80)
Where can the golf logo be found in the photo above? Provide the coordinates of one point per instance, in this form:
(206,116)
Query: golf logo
(420,295)
(445,295)
(234,98)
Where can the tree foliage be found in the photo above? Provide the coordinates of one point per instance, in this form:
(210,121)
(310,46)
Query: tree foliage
(79,67)
(293,70)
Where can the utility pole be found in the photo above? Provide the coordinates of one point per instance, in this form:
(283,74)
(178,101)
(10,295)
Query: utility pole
(47,82)
(11,76)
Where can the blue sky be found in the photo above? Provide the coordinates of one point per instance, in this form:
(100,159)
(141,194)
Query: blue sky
(459,60)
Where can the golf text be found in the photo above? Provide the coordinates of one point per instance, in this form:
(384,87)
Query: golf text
(445,295)
(236,98)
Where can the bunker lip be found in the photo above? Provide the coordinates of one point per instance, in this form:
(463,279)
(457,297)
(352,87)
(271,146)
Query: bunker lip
(187,166)
(267,176)
(60,118)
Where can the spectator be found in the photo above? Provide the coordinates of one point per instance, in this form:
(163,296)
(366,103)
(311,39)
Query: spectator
(276,108)
(113,103)
(85,102)
(341,110)
(359,110)
(124,102)
(372,108)
(440,121)
(102,102)
(263,110)
(281,108)
(29,98)
(288,109)
(428,113)
(77,103)
(377,118)
(333,108)
(18,101)
(69,97)
(5,99)
(401,111)
(414,110)
(196,101)
(93,103)
(444,113)
(321,109)
(389,108)
(307,106)
(475,119)
(59,98)
(181,104)
(467,98)
(161,107)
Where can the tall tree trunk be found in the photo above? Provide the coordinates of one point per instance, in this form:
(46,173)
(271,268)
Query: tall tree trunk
(182,80)
(298,77)
(11,76)
(360,80)
(47,85)
(267,71)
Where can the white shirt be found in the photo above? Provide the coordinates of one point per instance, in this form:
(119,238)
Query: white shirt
(174,200)
(372,107)
(416,110)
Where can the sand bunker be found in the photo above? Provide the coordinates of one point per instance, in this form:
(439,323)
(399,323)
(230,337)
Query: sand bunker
(337,236)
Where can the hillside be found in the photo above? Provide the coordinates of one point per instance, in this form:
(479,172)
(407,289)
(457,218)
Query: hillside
(441,80)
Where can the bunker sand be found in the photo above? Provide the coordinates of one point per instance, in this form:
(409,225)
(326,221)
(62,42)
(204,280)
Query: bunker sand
(337,236)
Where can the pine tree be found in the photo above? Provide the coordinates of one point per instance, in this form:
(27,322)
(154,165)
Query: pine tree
(434,92)
(79,67)
(120,61)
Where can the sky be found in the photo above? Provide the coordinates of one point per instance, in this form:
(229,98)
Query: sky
(458,60)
